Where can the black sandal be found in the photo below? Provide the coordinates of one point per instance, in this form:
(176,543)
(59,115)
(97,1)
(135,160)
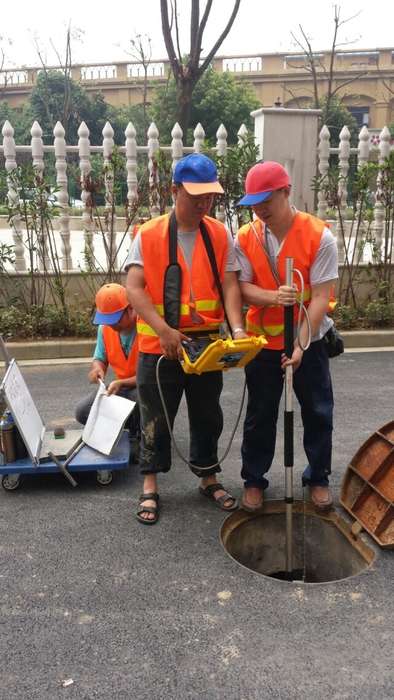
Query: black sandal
(148,509)
(209,492)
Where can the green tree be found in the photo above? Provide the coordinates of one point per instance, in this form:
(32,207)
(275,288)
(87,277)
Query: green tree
(19,118)
(335,116)
(56,97)
(217,98)
(188,70)
(138,115)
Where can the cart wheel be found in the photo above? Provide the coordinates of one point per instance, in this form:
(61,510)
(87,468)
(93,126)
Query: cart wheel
(10,482)
(104,477)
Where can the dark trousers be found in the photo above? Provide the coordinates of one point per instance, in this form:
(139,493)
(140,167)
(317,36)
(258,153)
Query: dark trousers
(313,388)
(205,414)
(133,422)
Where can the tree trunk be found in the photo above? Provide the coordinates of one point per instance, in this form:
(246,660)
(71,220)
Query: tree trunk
(185,95)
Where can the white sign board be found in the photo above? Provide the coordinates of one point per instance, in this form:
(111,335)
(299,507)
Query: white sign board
(106,420)
(23,409)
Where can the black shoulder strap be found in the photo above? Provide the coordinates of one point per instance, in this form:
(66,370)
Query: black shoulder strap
(212,260)
(172,278)
(173,240)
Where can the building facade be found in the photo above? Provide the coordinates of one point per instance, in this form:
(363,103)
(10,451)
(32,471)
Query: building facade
(363,79)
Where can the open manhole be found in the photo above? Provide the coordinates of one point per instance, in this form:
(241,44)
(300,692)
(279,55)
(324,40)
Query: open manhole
(324,546)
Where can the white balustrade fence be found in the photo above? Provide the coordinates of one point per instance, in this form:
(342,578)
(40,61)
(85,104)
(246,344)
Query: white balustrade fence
(364,152)
(83,229)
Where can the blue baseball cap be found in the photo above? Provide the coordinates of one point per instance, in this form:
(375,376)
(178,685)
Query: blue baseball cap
(198,175)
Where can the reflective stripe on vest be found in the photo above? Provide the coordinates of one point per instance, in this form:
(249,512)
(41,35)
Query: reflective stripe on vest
(123,367)
(144,329)
(205,298)
(201,305)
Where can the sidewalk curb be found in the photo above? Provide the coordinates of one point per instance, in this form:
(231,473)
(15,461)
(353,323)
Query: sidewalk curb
(52,349)
(368,338)
(84,347)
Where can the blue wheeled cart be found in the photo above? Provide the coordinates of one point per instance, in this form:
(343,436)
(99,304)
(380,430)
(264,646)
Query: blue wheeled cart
(85,460)
(28,447)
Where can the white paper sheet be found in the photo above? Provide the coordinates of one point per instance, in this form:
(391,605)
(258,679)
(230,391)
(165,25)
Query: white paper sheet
(106,420)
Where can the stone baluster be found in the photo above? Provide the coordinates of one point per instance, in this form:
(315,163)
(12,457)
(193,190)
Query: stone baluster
(176,144)
(344,155)
(153,148)
(363,157)
(343,164)
(13,195)
(221,140)
(37,153)
(363,147)
(85,169)
(131,166)
(199,137)
(242,135)
(221,149)
(323,164)
(378,222)
(62,194)
(110,217)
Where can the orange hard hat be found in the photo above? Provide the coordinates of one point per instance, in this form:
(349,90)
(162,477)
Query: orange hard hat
(111,301)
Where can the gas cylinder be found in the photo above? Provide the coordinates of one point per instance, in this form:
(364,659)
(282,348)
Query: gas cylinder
(7,437)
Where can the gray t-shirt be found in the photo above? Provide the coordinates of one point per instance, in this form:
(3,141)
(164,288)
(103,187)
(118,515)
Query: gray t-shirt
(323,269)
(186,240)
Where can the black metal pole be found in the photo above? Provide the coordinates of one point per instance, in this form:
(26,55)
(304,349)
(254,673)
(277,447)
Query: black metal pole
(289,423)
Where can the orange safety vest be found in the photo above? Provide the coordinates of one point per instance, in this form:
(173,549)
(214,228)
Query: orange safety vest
(197,284)
(124,367)
(301,243)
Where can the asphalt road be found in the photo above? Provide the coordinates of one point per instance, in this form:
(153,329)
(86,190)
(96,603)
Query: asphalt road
(159,613)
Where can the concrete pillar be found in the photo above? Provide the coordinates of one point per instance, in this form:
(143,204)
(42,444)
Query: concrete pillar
(289,136)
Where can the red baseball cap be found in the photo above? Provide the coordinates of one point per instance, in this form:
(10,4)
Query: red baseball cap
(111,302)
(262,180)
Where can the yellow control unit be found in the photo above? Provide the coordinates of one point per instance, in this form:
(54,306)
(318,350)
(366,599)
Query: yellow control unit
(209,353)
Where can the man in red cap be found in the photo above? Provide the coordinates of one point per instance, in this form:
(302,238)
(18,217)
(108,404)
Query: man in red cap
(279,231)
(199,310)
(117,348)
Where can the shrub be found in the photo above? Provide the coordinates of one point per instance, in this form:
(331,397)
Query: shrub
(346,316)
(45,322)
(379,314)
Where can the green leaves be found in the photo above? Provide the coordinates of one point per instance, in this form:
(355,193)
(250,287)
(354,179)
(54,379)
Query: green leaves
(217,98)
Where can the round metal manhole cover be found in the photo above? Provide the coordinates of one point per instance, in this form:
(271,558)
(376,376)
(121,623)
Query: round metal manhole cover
(324,548)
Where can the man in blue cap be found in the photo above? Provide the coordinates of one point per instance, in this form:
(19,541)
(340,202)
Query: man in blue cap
(198,302)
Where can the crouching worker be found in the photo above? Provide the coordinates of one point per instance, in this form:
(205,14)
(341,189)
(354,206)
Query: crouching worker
(199,310)
(117,348)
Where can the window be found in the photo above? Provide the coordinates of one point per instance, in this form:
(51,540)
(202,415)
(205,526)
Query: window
(361,115)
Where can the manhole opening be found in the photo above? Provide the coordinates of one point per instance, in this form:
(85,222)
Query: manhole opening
(324,548)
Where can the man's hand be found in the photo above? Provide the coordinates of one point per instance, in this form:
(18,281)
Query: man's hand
(114,387)
(239,333)
(170,341)
(295,359)
(97,372)
(286,296)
